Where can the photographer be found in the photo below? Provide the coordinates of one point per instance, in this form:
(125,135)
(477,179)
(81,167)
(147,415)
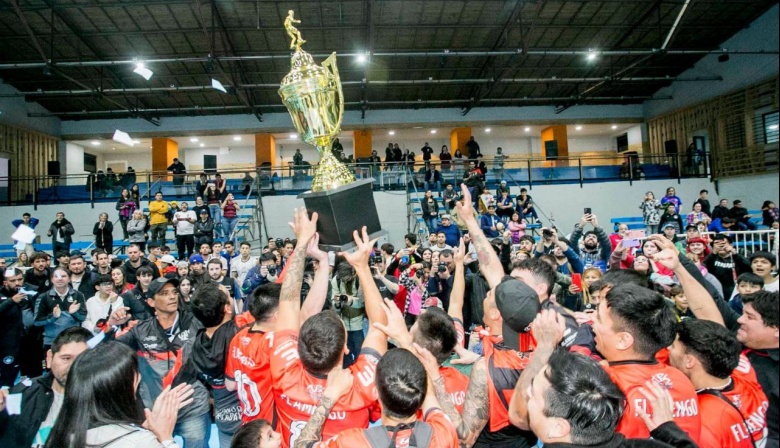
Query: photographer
(414,279)
(596,247)
(266,271)
(387,284)
(349,305)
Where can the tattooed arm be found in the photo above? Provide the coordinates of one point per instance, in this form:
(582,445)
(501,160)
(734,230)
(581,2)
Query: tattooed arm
(290,297)
(489,263)
(339,383)
(548,332)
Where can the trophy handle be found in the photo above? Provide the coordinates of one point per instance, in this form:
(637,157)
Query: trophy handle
(330,65)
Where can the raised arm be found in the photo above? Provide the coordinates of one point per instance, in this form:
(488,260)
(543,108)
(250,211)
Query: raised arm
(290,298)
(339,383)
(371,296)
(318,292)
(548,327)
(489,263)
(458,284)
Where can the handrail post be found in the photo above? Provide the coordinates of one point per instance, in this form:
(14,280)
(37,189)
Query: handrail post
(530,182)
(630,170)
(679,170)
(579,162)
(35,193)
(91,192)
(148,184)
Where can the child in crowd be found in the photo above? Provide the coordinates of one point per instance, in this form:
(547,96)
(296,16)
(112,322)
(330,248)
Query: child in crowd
(747,283)
(681,308)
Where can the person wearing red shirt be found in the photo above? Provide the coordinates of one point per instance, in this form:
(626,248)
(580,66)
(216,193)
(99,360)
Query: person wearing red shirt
(732,405)
(404,389)
(303,355)
(632,324)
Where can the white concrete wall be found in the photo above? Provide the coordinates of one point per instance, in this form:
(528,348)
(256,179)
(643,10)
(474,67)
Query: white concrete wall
(753,190)
(564,202)
(74,163)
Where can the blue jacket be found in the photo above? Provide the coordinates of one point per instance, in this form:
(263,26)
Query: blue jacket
(488,221)
(452,234)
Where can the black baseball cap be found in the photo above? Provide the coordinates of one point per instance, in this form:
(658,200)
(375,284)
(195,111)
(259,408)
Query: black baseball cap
(518,304)
(158,284)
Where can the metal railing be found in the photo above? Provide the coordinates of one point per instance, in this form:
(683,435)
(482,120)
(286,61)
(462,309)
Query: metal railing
(527,171)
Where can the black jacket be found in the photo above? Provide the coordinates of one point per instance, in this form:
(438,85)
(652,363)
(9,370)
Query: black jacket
(665,436)
(104,237)
(67,231)
(11,322)
(87,285)
(720,212)
(18,431)
(130,270)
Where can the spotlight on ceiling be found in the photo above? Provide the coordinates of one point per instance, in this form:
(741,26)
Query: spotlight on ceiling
(527,129)
(194,140)
(237,138)
(362,58)
(202,145)
(578,128)
(294,136)
(487,129)
(614,126)
(391,133)
(433,131)
(141,69)
(592,55)
(95,143)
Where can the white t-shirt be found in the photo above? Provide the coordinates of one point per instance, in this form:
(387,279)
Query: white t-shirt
(773,287)
(98,309)
(184,227)
(239,268)
(43,432)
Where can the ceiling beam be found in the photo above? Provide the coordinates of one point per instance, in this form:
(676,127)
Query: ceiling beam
(370,36)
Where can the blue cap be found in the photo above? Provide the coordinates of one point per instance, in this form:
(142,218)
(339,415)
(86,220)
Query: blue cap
(196,259)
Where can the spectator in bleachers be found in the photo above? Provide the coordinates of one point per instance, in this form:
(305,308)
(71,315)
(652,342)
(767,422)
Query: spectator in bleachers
(725,263)
(230,209)
(14,305)
(204,229)
(135,260)
(126,206)
(651,214)
(179,174)
(59,308)
(669,231)
(724,224)
(445,158)
(158,219)
(705,203)
(516,227)
(61,232)
(672,198)
(212,196)
(184,221)
(769,213)
(747,283)
(721,210)
(504,206)
(136,229)
(451,231)
(740,214)
(433,178)
(671,216)
(104,233)
(596,248)
(489,222)
(121,285)
(763,264)
(39,277)
(621,230)
(81,278)
(430,211)
(525,206)
(22,261)
(30,222)
(199,206)
(100,306)
(697,215)
(135,195)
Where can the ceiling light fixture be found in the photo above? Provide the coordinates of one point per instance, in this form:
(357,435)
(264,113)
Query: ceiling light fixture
(391,133)
(194,140)
(592,54)
(136,142)
(294,136)
(487,129)
(433,131)
(773,127)
(614,126)
(527,129)
(579,128)
(95,143)
(362,58)
(202,145)
(237,138)
(141,69)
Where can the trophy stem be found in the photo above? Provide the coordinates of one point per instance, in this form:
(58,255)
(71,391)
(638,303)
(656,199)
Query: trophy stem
(330,173)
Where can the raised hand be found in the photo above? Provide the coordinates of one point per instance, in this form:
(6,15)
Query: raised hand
(339,383)
(548,328)
(428,360)
(465,206)
(303,226)
(74,307)
(364,246)
(119,317)
(459,253)
(395,328)
(162,418)
(661,402)
(56,312)
(313,249)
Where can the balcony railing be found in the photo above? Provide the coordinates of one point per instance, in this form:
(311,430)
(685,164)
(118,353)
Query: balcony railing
(292,178)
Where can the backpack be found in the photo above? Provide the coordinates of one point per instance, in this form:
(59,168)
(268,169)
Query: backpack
(420,438)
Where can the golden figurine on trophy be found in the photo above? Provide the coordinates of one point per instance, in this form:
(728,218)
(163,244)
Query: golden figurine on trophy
(314,98)
(313,95)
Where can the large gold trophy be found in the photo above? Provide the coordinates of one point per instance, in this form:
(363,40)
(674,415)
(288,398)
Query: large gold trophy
(314,98)
(313,95)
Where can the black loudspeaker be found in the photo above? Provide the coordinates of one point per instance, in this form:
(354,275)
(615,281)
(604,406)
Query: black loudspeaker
(53,168)
(671,147)
(551,150)
(210,164)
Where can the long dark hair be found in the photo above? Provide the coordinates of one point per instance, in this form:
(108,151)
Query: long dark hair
(100,391)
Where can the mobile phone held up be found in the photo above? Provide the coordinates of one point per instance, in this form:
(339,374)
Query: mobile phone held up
(576,280)
(587,211)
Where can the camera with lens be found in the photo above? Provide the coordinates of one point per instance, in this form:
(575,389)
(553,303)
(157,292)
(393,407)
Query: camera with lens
(271,269)
(374,259)
(343,299)
(419,273)
(442,267)
(547,233)
(279,242)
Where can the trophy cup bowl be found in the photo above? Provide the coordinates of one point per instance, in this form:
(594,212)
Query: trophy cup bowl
(314,98)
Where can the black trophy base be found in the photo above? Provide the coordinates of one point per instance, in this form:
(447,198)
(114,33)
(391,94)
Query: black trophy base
(343,210)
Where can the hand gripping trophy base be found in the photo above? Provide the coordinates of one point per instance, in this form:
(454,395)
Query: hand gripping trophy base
(330,173)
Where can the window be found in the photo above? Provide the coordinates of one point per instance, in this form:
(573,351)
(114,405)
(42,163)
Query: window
(770,121)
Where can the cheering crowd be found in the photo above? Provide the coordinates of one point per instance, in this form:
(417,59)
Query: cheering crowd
(481,336)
